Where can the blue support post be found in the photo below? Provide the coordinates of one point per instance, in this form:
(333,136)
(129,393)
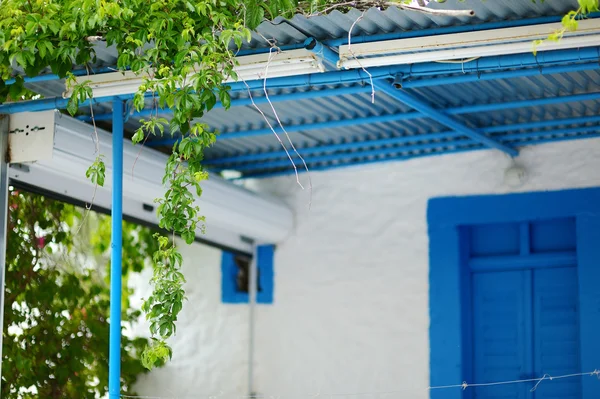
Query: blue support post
(114,366)
(4,121)
(441,117)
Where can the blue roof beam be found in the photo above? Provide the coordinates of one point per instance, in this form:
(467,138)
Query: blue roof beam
(404,152)
(407,84)
(479,108)
(441,117)
(246,101)
(357,144)
(488,64)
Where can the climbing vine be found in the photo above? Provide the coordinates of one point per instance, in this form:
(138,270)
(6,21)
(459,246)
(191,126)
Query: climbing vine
(184,50)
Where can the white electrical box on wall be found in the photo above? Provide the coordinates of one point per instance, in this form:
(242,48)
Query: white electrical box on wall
(31,136)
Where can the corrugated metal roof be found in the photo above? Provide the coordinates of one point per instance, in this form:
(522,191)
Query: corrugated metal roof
(342,143)
(392,20)
(443,97)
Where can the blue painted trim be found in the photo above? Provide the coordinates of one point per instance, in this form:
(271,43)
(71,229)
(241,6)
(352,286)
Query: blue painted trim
(466,299)
(525,237)
(520,61)
(446,313)
(512,208)
(229,270)
(265,254)
(114,367)
(529,323)
(445,217)
(519,261)
(588,253)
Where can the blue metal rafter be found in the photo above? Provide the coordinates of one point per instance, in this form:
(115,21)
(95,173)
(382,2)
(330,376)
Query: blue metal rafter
(409,80)
(468,109)
(332,59)
(441,117)
(423,152)
(390,147)
(428,69)
(357,144)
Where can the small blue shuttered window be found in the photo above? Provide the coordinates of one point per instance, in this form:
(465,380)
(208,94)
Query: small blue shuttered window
(235,270)
(515,293)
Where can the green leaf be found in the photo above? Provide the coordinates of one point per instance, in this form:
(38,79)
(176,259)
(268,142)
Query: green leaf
(588,6)
(255,15)
(225,99)
(138,136)
(72,106)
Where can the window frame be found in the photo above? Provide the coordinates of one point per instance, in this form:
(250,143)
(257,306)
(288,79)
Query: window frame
(450,360)
(264,266)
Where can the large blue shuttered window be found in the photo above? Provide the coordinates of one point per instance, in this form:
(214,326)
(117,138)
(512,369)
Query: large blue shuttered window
(511,293)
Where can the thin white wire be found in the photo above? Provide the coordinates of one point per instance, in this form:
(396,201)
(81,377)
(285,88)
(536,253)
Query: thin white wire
(285,131)
(462,386)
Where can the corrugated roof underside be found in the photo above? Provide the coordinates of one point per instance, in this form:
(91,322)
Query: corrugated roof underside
(345,129)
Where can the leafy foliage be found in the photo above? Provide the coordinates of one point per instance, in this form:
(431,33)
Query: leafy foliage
(55,341)
(184,49)
(570,22)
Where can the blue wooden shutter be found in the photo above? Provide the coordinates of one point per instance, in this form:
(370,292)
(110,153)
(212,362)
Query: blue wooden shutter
(556,326)
(500,334)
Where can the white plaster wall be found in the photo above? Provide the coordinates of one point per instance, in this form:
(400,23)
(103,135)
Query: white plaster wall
(351,288)
(210,349)
(351,282)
